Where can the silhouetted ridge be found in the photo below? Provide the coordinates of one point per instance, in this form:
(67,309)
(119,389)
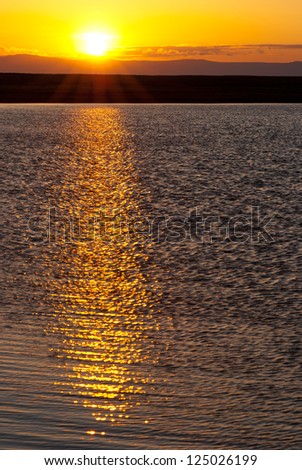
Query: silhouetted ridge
(41,88)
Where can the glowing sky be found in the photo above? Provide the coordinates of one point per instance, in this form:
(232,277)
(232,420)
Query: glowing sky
(157,28)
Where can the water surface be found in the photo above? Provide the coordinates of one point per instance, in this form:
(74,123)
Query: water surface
(125,323)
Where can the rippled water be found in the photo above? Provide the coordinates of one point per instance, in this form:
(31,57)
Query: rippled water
(127,323)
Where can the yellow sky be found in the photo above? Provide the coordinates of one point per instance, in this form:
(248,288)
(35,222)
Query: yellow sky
(51,28)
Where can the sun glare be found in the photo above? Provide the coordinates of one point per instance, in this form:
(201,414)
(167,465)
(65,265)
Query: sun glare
(95,43)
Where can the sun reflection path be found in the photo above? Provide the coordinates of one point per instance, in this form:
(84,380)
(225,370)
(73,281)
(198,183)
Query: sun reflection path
(105,323)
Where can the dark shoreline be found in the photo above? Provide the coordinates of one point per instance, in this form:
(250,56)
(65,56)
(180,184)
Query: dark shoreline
(76,88)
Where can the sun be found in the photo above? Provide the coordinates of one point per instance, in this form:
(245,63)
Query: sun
(94,43)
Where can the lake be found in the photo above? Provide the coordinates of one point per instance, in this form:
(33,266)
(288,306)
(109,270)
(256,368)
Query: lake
(152,277)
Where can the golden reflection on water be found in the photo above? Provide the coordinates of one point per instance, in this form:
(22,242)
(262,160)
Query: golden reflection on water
(105,324)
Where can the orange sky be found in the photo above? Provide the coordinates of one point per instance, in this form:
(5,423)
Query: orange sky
(234,30)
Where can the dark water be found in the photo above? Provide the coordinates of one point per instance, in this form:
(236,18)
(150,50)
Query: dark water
(145,303)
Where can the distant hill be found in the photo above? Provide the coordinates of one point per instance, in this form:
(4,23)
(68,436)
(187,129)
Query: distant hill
(23,63)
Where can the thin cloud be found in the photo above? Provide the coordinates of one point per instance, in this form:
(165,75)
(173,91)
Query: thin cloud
(193,51)
(184,51)
(17,50)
